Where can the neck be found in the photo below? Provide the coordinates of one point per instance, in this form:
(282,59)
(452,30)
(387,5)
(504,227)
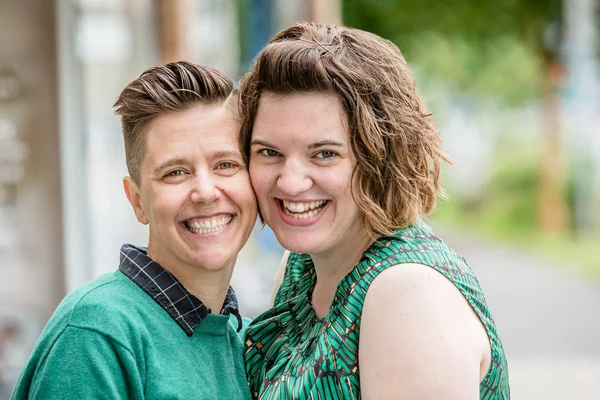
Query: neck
(332,266)
(210,287)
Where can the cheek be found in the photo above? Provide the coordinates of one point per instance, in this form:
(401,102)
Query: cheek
(165,204)
(260,177)
(335,182)
(240,191)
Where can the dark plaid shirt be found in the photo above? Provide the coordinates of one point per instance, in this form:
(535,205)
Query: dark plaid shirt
(186,309)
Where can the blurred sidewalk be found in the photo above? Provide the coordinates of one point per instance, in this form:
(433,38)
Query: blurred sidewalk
(548,319)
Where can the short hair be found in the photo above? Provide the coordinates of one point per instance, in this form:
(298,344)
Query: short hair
(397,147)
(176,86)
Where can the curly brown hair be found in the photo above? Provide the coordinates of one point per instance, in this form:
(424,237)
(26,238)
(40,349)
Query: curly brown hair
(176,86)
(397,147)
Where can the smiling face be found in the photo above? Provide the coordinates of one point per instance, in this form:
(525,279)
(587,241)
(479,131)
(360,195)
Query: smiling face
(194,190)
(301,167)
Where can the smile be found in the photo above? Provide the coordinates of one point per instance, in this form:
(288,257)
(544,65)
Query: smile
(201,226)
(302,210)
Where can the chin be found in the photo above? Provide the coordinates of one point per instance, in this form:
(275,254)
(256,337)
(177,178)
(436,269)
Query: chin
(214,262)
(300,244)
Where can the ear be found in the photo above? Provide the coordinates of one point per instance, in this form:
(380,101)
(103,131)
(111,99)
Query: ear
(132,191)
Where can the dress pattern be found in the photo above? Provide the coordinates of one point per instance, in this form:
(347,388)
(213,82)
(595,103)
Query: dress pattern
(292,354)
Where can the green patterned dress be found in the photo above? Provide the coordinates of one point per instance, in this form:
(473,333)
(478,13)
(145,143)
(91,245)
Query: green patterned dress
(293,354)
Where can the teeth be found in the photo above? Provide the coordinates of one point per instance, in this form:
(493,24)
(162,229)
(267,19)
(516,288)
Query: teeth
(303,210)
(208,225)
(301,207)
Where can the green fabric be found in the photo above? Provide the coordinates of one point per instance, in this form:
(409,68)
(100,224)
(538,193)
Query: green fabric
(292,354)
(110,340)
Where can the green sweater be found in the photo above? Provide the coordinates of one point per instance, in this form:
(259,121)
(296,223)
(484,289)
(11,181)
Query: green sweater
(110,340)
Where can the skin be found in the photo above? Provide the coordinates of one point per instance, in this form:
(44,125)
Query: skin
(420,339)
(193,172)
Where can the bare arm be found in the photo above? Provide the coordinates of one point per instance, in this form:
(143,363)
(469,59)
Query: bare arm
(279,276)
(420,339)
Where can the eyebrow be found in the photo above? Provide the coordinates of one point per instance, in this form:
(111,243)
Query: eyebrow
(180,160)
(262,143)
(325,143)
(310,146)
(226,153)
(170,163)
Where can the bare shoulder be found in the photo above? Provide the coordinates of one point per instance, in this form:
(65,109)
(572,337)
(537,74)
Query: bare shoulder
(417,295)
(419,337)
(410,282)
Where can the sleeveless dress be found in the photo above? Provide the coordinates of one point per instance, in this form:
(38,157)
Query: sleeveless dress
(292,354)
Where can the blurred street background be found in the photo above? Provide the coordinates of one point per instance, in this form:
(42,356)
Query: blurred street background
(513,85)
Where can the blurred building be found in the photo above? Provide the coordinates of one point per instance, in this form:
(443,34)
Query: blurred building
(31,228)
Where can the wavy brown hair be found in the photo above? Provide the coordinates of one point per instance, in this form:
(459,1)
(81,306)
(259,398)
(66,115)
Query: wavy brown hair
(397,147)
(176,86)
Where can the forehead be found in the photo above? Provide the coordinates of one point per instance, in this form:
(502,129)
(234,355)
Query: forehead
(300,112)
(203,128)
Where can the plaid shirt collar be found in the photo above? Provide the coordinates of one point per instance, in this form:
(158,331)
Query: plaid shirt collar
(185,309)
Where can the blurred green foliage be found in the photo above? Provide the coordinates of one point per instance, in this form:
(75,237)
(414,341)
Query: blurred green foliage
(507,205)
(510,222)
(506,68)
(507,210)
(489,47)
(479,19)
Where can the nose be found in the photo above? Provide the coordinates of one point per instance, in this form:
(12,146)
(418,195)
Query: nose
(205,189)
(294,179)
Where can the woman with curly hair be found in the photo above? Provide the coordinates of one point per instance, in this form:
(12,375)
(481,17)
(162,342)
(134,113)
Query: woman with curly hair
(345,162)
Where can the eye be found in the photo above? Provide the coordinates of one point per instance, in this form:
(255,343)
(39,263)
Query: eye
(177,172)
(227,168)
(226,165)
(269,153)
(326,154)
